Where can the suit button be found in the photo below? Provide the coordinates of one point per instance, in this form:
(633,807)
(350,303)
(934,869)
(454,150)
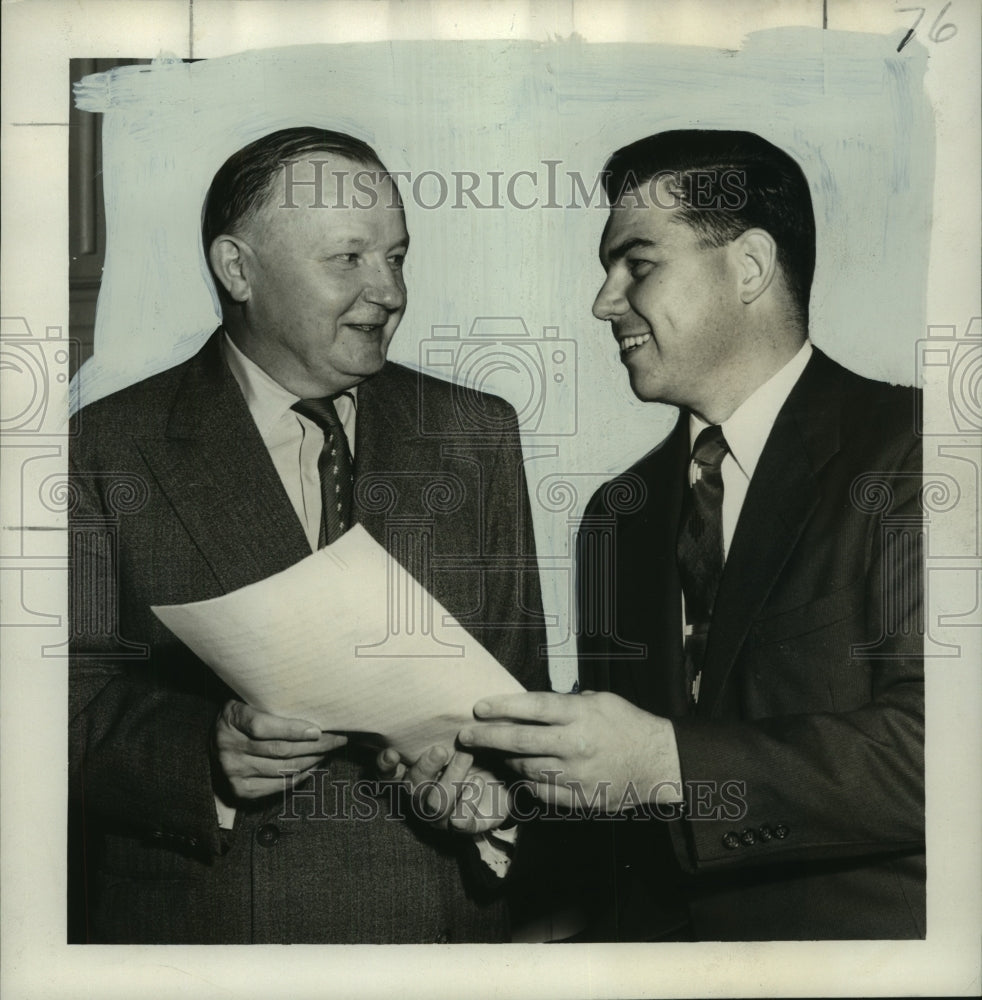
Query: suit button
(748,837)
(267,834)
(781,830)
(765,833)
(443,937)
(731,840)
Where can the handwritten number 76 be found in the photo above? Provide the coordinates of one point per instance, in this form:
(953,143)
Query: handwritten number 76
(938,33)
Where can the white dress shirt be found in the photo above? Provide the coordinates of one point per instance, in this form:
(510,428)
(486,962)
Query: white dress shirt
(294,442)
(746,431)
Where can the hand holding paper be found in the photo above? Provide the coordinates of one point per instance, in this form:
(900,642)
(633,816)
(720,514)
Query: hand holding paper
(348,640)
(253,748)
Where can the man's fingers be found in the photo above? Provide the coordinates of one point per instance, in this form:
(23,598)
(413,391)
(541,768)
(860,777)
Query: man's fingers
(546,770)
(529,706)
(255,781)
(243,729)
(434,780)
(457,770)
(442,794)
(249,766)
(473,809)
(331,741)
(263,726)
(255,788)
(540,741)
(390,766)
(482,802)
(280,750)
(429,766)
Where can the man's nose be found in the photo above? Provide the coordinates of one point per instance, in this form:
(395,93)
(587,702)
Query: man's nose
(386,288)
(610,302)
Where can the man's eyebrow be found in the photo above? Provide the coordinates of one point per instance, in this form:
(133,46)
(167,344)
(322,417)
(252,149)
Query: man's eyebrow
(349,243)
(359,242)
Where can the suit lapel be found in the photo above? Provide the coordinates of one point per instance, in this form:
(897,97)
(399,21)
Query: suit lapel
(385,442)
(781,497)
(216,472)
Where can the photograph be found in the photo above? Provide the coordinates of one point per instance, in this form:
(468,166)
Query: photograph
(501,476)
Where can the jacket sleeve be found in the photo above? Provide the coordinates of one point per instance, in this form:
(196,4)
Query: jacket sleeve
(140,721)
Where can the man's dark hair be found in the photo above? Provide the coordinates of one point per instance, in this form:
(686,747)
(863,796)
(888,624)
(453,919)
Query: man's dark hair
(244,179)
(725,183)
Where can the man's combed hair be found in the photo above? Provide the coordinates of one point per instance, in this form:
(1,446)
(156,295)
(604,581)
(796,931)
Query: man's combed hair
(724,183)
(244,179)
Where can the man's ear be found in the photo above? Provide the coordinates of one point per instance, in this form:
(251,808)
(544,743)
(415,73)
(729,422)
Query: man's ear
(228,261)
(756,263)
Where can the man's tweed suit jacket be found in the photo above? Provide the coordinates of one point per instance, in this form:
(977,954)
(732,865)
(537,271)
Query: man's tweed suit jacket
(175,499)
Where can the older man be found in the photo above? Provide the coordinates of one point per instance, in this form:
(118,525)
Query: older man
(288,425)
(752,632)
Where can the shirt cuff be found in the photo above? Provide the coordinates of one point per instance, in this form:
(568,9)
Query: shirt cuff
(496,849)
(225,813)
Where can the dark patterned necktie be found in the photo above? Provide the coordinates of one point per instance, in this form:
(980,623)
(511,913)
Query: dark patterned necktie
(334,466)
(700,548)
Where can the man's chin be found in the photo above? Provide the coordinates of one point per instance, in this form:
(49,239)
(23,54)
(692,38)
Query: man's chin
(372,366)
(365,369)
(646,389)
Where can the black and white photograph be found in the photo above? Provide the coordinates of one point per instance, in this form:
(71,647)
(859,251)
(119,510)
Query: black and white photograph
(496,476)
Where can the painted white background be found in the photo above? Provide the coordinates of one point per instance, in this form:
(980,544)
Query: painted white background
(847,106)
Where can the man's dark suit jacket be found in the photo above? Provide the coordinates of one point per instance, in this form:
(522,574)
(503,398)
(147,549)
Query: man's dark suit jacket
(175,499)
(804,758)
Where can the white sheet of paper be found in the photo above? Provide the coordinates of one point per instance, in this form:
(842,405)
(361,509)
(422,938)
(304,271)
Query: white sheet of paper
(349,640)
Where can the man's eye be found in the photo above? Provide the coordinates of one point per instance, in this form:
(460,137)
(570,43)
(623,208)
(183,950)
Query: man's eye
(346,258)
(397,260)
(639,268)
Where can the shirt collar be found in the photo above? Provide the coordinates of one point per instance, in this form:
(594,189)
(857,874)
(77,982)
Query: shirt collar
(749,425)
(267,400)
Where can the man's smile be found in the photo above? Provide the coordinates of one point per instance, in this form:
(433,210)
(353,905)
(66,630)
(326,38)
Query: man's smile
(369,327)
(632,342)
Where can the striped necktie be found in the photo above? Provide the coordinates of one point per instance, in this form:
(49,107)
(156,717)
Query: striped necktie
(334,466)
(700,548)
